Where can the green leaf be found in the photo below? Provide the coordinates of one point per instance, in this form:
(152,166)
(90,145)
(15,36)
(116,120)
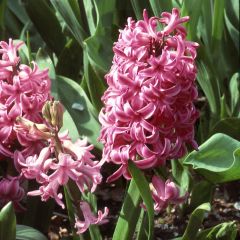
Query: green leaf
(46,23)
(195,221)
(44,61)
(223,231)
(139,5)
(95,84)
(71,212)
(204,79)
(233,31)
(181,175)
(3,4)
(70,60)
(71,18)
(129,214)
(192,8)
(143,187)
(7,222)
(68,124)
(202,192)
(99,46)
(235,93)
(218,23)
(90,11)
(28,233)
(17,8)
(228,126)
(218,159)
(141,228)
(80,108)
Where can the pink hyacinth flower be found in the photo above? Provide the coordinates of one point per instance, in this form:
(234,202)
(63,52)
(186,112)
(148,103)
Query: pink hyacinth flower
(10,190)
(165,193)
(89,218)
(148,115)
(34,167)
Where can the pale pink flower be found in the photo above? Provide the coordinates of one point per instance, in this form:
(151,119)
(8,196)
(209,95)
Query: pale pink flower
(89,218)
(149,115)
(165,193)
(10,190)
(34,167)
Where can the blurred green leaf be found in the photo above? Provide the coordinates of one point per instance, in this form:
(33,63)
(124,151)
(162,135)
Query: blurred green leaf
(207,12)
(90,12)
(70,60)
(235,93)
(17,7)
(218,23)
(46,23)
(139,5)
(3,4)
(228,126)
(99,46)
(192,8)
(129,214)
(71,15)
(233,31)
(218,159)
(95,84)
(143,187)
(195,221)
(181,175)
(28,233)
(202,192)
(222,231)
(7,222)
(68,124)
(80,108)
(204,79)
(71,212)
(224,111)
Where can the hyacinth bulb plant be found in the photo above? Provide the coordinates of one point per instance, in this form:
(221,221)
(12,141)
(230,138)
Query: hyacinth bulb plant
(138,136)
(149,115)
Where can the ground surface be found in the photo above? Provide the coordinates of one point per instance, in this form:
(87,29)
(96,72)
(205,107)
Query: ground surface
(225,207)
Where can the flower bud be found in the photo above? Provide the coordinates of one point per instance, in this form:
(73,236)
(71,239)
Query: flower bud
(31,129)
(53,113)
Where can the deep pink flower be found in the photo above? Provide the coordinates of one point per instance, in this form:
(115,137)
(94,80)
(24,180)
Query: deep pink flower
(148,115)
(165,193)
(23,91)
(10,190)
(89,218)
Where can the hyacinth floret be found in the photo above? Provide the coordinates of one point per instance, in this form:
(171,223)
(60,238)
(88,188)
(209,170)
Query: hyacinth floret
(149,115)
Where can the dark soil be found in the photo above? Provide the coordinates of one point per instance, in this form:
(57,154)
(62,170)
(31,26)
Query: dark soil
(225,208)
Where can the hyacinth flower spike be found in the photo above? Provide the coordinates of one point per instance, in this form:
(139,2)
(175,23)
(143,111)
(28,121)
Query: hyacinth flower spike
(148,115)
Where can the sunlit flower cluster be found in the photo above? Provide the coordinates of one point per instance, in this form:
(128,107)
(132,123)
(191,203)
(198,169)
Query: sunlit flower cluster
(148,115)
(23,91)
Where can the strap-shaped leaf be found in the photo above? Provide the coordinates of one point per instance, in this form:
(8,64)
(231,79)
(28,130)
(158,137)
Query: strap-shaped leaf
(195,221)
(7,222)
(46,23)
(143,187)
(70,15)
(80,108)
(129,214)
